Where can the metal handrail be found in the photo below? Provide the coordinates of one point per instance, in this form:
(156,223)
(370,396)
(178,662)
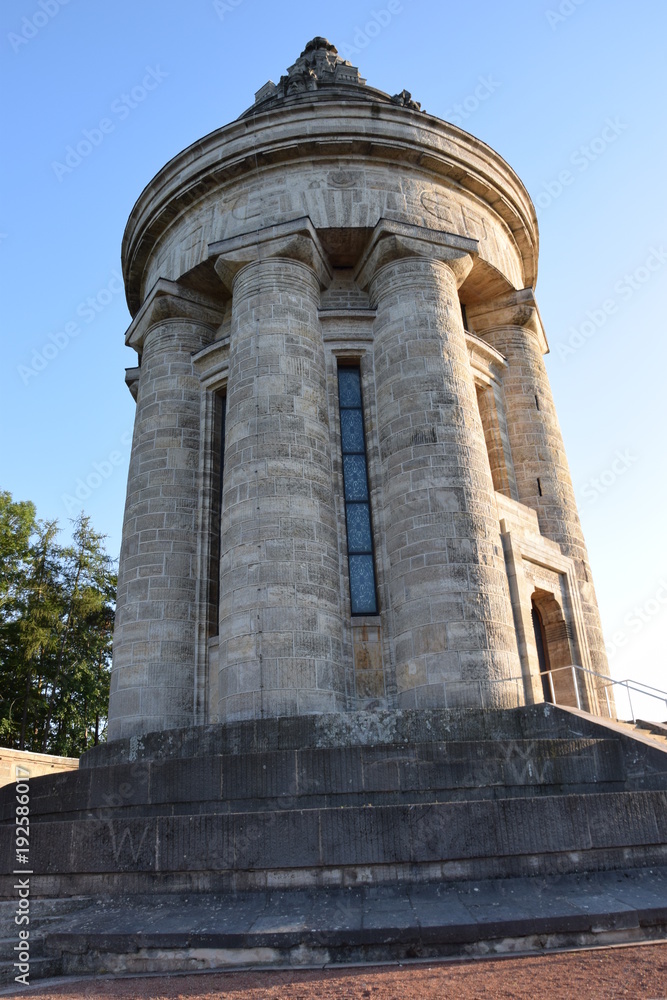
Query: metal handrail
(629,684)
(629,680)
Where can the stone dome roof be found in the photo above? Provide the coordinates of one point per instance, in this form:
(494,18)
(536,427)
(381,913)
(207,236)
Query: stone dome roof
(320,71)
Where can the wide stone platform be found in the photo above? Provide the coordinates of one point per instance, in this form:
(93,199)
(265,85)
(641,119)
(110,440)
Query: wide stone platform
(137,934)
(233,829)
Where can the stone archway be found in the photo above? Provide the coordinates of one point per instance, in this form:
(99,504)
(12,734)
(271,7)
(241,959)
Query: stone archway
(554,650)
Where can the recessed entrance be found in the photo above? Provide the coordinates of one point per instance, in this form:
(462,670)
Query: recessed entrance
(554,652)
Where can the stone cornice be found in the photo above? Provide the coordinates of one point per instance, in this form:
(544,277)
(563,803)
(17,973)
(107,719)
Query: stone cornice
(212,363)
(392,241)
(132,381)
(169,300)
(327,128)
(483,357)
(294,240)
(518,308)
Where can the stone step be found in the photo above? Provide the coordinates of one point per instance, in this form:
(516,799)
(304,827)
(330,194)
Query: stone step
(578,795)
(657,729)
(44,914)
(301,847)
(8,944)
(385,923)
(165,781)
(401,727)
(645,729)
(349,776)
(41,910)
(40,968)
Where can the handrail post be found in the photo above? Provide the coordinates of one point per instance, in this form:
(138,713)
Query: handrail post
(576,686)
(632,711)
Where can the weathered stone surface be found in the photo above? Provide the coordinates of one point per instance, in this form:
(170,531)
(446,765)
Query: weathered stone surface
(422,796)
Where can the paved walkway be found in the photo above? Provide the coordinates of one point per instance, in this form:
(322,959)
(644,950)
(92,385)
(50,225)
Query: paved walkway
(639,973)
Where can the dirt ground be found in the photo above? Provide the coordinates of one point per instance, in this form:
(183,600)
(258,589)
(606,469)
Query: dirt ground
(601,974)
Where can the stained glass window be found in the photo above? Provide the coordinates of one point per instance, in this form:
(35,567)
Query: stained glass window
(357,505)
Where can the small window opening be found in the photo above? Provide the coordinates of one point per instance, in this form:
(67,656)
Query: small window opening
(361,560)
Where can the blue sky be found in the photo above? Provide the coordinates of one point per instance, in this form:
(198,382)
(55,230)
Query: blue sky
(574,101)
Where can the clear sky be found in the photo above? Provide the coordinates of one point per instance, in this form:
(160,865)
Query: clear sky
(572,95)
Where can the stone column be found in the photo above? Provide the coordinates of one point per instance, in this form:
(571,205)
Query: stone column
(280,645)
(454,637)
(152,681)
(512,325)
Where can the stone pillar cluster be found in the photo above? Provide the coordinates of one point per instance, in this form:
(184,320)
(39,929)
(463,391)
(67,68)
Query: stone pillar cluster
(445,603)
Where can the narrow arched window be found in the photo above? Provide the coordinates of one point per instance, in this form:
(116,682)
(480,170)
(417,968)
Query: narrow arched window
(361,561)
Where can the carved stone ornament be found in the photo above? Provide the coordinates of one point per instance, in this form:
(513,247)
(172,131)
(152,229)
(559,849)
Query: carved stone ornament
(404,100)
(319,65)
(318,68)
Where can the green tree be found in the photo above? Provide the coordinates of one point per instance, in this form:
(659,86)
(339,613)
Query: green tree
(56,624)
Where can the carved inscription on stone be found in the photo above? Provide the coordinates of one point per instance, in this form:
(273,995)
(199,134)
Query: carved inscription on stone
(436,205)
(345,178)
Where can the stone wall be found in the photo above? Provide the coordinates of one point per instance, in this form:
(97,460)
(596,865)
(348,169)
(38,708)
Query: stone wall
(16,764)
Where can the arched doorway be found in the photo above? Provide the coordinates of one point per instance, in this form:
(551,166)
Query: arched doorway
(554,650)
(542,658)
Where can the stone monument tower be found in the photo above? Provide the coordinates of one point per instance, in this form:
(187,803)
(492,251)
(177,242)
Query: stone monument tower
(348,487)
(358,660)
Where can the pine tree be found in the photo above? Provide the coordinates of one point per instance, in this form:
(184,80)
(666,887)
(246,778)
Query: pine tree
(56,625)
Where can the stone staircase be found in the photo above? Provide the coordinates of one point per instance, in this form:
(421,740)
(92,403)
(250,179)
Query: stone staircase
(46,916)
(402,808)
(656,730)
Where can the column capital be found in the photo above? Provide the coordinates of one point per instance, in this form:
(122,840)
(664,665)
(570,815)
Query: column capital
(169,300)
(295,240)
(391,241)
(516,309)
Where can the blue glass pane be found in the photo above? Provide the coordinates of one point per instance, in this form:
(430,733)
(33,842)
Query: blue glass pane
(358,528)
(354,475)
(362,585)
(349,387)
(352,431)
